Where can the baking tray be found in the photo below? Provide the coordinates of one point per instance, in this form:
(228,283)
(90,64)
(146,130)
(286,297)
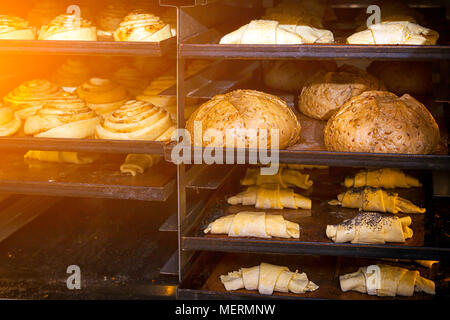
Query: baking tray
(66,47)
(101,179)
(202,280)
(313,223)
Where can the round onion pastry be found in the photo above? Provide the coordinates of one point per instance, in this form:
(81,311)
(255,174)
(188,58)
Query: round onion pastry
(68,27)
(380,121)
(66,116)
(136,120)
(140,26)
(103,95)
(71,74)
(15,28)
(29,97)
(241,113)
(326,92)
(9,122)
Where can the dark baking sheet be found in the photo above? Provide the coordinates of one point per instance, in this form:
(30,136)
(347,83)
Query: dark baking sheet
(101,179)
(156,49)
(202,281)
(313,223)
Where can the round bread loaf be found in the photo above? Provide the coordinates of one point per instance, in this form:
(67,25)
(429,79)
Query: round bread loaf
(402,77)
(291,75)
(326,92)
(239,114)
(380,121)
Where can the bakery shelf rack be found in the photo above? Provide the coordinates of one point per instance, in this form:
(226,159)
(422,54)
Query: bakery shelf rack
(202,25)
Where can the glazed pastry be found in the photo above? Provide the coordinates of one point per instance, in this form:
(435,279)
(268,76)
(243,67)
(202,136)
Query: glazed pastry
(325,92)
(136,120)
(71,74)
(138,163)
(10,123)
(365,124)
(60,156)
(29,97)
(140,26)
(284,177)
(133,80)
(15,28)
(254,224)
(395,32)
(291,75)
(272,32)
(375,199)
(247,112)
(267,278)
(103,95)
(382,178)
(156,86)
(270,198)
(66,116)
(68,27)
(111,16)
(371,227)
(384,280)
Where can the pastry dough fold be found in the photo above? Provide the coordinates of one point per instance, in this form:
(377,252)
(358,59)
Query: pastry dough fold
(267,278)
(385,280)
(254,224)
(382,178)
(285,178)
(371,227)
(272,197)
(375,199)
(138,163)
(10,123)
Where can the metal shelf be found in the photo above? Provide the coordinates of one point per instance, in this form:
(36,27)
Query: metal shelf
(66,47)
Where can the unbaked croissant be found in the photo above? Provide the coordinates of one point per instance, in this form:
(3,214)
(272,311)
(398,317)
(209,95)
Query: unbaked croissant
(371,227)
(68,27)
(254,224)
(136,120)
(395,32)
(30,96)
(60,156)
(66,116)
(270,198)
(141,26)
(15,28)
(385,280)
(138,163)
(267,278)
(103,95)
(272,32)
(375,199)
(382,178)
(284,177)
(10,123)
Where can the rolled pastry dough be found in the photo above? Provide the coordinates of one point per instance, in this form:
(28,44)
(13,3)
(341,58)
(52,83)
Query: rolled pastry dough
(138,163)
(385,280)
(285,178)
(382,178)
(272,32)
(375,199)
(371,227)
(272,197)
(60,156)
(267,278)
(254,224)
